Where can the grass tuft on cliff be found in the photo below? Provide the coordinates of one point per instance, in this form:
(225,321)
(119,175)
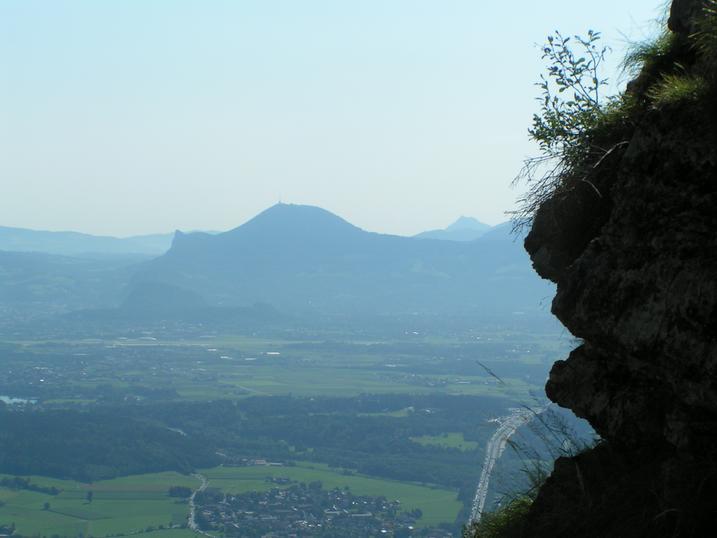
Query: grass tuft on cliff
(652,55)
(510,521)
(674,89)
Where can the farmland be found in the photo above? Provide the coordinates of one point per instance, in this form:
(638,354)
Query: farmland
(125,505)
(404,418)
(62,372)
(137,503)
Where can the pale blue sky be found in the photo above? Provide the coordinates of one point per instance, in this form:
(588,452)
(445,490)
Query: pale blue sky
(134,116)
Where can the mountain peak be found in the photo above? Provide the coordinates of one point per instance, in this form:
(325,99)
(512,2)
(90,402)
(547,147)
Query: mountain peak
(296,219)
(463,229)
(468,223)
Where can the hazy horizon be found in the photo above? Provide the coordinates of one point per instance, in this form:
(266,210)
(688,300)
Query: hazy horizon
(135,118)
(3,225)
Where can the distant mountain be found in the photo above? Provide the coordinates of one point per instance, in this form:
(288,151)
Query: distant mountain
(464,229)
(79,244)
(505,232)
(40,284)
(303,258)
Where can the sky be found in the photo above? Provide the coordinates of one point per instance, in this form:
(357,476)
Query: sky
(141,116)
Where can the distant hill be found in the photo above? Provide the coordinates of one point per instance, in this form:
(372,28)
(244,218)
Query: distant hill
(464,229)
(303,258)
(40,284)
(79,244)
(504,232)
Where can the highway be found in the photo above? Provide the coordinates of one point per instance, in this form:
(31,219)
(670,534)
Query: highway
(496,445)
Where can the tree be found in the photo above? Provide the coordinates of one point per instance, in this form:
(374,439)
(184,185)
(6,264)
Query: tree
(571,97)
(571,107)
(46,506)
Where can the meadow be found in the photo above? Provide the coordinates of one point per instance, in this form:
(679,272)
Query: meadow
(127,505)
(80,374)
(140,504)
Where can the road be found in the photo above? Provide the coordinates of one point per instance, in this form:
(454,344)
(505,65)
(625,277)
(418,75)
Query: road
(193,506)
(506,428)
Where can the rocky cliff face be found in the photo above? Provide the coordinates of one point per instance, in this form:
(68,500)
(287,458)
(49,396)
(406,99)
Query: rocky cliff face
(635,262)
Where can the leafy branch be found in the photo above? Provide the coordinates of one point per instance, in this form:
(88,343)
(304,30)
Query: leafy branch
(571,106)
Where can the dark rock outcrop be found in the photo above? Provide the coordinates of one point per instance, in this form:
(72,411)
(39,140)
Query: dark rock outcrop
(683,14)
(636,270)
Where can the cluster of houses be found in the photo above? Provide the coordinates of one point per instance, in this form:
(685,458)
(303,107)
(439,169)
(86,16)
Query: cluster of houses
(297,510)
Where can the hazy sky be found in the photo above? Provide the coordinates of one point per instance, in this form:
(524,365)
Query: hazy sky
(124,117)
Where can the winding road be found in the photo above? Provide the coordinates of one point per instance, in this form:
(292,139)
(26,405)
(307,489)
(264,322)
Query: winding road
(507,426)
(193,506)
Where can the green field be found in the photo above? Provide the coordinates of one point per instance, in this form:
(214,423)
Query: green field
(123,505)
(135,503)
(437,504)
(447,440)
(237,367)
(79,373)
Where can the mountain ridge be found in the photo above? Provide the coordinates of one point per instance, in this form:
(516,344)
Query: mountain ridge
(298,259)
(69,243)
(303,257)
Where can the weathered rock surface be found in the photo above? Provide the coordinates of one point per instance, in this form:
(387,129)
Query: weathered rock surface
(636,274)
